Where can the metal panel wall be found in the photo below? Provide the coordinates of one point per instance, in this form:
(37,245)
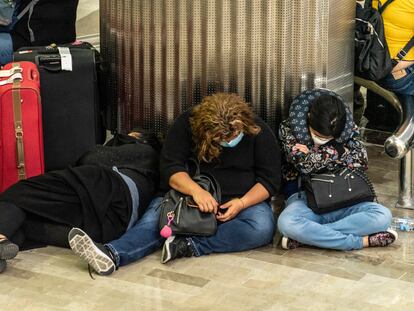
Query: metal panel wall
(165,55)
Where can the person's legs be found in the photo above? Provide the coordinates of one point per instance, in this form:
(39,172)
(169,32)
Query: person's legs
(300,223)
(404,85)
(253,227)
(11,219)
(6,48)
(361,219)
(140,240)
(46,232)
(343,229)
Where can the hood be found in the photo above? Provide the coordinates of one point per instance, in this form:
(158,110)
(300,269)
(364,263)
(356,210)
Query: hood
(298,116)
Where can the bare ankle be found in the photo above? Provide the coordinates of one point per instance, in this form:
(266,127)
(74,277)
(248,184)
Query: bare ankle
(365,241)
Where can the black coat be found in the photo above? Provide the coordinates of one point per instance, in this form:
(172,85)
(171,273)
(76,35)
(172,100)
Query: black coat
(52,21)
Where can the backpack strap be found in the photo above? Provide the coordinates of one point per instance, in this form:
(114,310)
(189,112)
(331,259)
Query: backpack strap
(367,4)
(27,9)
(404,51)
(382,7)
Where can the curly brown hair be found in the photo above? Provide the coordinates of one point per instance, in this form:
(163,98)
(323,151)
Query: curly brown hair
(217,118)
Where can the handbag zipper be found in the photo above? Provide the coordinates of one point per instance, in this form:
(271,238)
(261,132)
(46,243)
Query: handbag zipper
(341,173)
(180,203)
(347,177)
(323,180)
(328,175)
(330,181)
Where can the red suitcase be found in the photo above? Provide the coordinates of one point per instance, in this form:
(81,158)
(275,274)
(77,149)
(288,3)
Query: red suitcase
(21,134)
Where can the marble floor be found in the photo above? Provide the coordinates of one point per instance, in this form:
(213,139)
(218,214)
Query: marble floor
(268,278)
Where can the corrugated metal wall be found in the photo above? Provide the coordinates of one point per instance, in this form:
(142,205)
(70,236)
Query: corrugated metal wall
(165,55)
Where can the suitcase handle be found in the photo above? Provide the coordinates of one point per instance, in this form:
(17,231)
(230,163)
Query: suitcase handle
(49,62)
(34,75)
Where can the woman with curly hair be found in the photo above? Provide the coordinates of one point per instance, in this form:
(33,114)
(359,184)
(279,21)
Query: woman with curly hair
(240,151)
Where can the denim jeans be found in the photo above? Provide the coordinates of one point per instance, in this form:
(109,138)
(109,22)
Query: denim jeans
(404,85)
(6,48)
(141,240)
(341,230)
(252,228)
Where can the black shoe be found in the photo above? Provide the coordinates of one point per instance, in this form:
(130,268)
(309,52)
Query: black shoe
(176,247)
(8,250)
(95,254)
(383,238)
(3,265)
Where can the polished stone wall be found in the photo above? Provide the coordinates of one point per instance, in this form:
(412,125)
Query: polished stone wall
(165,55)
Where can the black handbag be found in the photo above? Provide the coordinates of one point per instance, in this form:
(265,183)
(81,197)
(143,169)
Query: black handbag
(330,191)
(179,214)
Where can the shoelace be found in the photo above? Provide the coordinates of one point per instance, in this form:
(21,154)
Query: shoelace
(90,272)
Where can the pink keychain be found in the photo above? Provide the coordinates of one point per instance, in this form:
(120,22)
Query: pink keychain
(166,231)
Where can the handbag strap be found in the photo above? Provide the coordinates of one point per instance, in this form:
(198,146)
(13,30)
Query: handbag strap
(215,185)
(196,165)
(198,175)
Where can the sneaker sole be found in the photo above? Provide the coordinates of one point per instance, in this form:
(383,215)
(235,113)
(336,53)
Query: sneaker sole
(83,246)
(166,254)
(394,233)
(284,243)
(8,252)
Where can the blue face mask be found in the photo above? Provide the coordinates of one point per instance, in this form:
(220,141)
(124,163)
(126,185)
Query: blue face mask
(234,142)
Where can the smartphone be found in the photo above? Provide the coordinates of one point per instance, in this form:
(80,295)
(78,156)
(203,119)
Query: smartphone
(191,203)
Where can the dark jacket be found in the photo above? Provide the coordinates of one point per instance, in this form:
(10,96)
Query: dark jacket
(52,21)
(256,159)
(329,156)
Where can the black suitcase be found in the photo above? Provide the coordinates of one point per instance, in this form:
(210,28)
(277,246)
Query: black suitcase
(72,114)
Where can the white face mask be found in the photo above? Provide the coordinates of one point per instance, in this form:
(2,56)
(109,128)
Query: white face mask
(320,141)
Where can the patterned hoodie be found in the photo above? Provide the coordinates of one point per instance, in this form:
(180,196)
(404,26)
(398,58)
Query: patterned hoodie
(345,151)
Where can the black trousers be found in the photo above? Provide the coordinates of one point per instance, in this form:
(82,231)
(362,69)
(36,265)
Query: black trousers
(17,225)
(43,209)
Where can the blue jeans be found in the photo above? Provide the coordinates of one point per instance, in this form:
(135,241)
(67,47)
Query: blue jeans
(6,48)
(252,228)
(404,85)
(141,240)
(341,230)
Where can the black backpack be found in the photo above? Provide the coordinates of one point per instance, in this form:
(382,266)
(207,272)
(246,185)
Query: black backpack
(372,58)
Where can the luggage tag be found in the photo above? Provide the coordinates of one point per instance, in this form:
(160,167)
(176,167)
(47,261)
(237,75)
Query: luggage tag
(66,58)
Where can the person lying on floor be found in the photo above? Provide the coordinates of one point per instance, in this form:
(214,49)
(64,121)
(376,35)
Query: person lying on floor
(104,195)
(231,144)
(330,142)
